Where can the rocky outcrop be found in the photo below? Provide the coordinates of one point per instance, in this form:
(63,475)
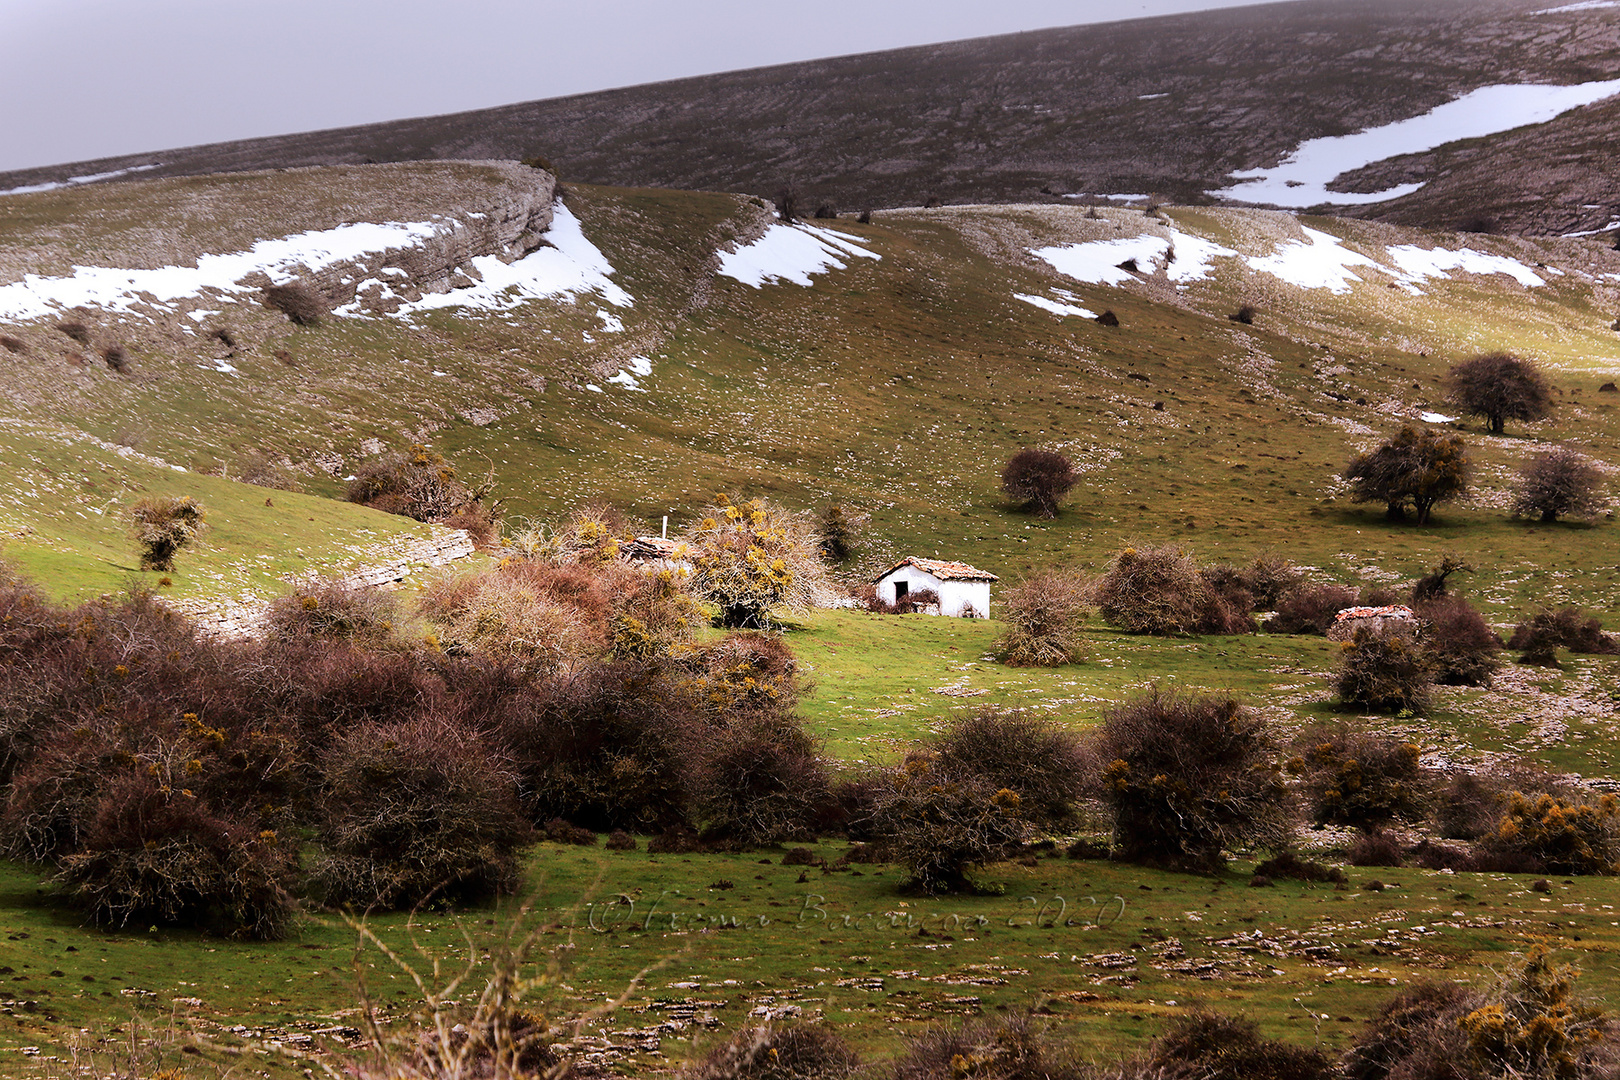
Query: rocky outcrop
(509,225)
(245,618)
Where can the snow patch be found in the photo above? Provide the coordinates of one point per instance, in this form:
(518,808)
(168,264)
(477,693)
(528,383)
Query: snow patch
(1301,179)
(1096,262)
(1183,256)
(1321,262)
(1056,307)
(1584,5)
(75,181)
(569,264)
(1417,264)
(791,253)
(114,289)
(639,365)
(1435,418)
(1192,255)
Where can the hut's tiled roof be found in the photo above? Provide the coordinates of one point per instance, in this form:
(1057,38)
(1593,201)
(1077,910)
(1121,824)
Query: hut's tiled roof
(944,569)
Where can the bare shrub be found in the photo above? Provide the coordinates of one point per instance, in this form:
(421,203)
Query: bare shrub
(838,529)
(759,779)
(416,483)
(1270,577)
(1414,1035)
(75,330)
(1310,609)
(481,522)
(1384,673)
(1044,615)
(1432,586)
(1290,866)
(559,831)
(1186,776)
(162,525)
(1037,479)
(1244,315)
(1108,318)
(330,609)
(619,840)
(263,470)
(1231,584)
(1353,776)
(1376,847)
(14,345)
(940,823)
(1214,1046)
(1045,764)
(606,746)
(298,301)
(1012,1048)
(541,618)
(1159,590)
(116,357)
(1459,644)
(865,217)
(825,212)
(788,1052)
(1560,483)
(415,809)
(1499,387)
(155,852)
(1531,1024)
(1544,633)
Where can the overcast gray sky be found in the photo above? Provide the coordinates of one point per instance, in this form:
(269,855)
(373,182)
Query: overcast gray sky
(84,79)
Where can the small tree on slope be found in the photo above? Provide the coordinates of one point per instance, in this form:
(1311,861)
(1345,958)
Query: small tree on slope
(1500,387)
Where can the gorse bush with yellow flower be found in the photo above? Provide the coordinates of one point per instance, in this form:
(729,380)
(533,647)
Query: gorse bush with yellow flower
(751,558)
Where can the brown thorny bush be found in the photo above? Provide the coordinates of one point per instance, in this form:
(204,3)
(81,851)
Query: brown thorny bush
(118,724)
(331,609)
(549,617)
(1014,1047)
(1530,1025)
(940,821)
(1351,776)
(781,1052)
(162,525)
(1213,1046)
(1389,672)
(414,810)
(145,812)
(1046,765)
(420,483)
(970,796)
(1044,615)
(1187,776)
(1310,609)
(1159,590)
(1459,644)
(1541,636)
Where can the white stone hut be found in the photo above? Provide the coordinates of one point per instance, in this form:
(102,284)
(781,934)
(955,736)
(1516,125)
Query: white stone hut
(964,591)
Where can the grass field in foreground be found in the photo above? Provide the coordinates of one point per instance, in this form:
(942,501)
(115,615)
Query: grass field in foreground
(1107,953)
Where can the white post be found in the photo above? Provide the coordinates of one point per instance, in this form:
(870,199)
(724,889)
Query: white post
(665,533)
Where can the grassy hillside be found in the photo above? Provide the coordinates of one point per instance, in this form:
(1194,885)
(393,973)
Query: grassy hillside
(1166,106)
(897,385)
(900,385)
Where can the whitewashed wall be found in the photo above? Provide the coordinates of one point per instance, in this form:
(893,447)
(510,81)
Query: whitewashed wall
(953,595)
